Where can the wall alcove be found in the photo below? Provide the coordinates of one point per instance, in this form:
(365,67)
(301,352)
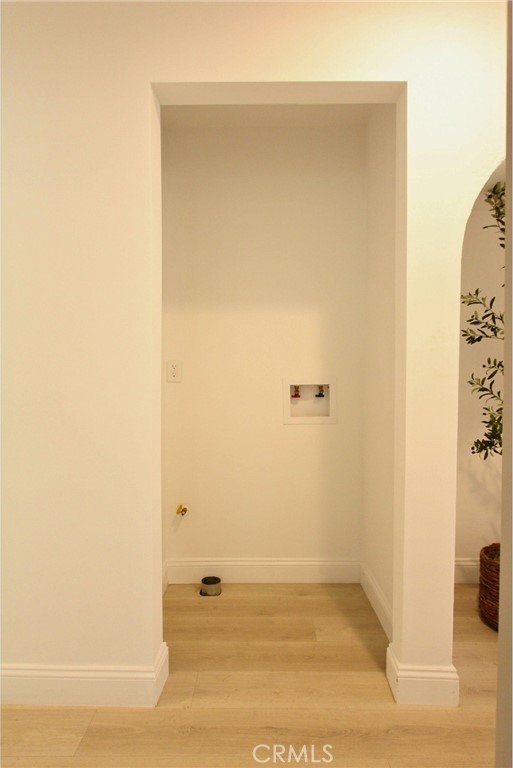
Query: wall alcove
(279,258)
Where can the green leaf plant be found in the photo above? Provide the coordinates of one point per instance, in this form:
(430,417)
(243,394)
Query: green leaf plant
(485,323)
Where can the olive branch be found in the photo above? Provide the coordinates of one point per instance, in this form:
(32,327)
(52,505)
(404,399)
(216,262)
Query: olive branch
(485,323)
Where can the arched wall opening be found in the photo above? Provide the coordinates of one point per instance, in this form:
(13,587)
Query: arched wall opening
(479,486)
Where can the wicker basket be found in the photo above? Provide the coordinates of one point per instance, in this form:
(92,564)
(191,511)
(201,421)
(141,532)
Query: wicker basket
(489,571)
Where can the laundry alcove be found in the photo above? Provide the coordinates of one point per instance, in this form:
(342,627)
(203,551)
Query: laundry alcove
(278,265)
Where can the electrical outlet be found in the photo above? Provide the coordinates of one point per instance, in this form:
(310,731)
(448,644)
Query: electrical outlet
(174,371)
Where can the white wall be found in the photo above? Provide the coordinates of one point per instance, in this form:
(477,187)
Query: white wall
(379,350)
(479,481)
(265,246)
(81,430)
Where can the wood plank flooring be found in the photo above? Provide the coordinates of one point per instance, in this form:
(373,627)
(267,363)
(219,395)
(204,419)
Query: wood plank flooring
(274,664)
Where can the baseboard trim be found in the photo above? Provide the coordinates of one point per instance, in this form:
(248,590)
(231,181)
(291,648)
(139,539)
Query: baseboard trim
(109,686)
(377,599)
(262,570)
(466,570)
(297,570)
(430,686)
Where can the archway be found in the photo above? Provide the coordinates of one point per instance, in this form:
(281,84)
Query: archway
(479,481)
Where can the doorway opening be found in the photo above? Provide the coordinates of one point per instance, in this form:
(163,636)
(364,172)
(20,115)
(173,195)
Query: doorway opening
(479,482)
(279,265)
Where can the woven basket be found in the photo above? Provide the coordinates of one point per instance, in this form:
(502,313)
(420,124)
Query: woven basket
(489,571)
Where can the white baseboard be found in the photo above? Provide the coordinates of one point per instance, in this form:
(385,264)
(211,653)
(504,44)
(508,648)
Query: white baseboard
(466,570)
(41,684)
(431,686)
(377,599)
(262,570)
(292,571)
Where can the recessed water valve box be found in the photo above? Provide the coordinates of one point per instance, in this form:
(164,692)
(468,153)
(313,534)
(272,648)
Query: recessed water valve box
(310,401)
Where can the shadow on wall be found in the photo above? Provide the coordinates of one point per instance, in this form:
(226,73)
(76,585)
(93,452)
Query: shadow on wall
(479,481)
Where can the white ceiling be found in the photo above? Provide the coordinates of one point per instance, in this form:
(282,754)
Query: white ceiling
(264,115)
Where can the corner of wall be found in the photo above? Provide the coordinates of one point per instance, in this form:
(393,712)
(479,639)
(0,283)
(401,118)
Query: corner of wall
(85,686)
(429,686)
(377,599)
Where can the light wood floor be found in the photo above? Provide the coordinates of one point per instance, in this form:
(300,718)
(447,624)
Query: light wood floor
(274,664)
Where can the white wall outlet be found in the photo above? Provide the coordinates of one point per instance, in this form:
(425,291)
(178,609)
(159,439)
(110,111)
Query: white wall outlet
(174,371)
